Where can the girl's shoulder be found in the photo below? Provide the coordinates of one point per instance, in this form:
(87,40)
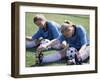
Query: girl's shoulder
(51,23)
(80,28)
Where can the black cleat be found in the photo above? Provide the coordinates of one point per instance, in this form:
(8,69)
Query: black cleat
(39,57)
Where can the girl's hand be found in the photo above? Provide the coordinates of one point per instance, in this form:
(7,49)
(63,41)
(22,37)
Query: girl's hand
(64,44)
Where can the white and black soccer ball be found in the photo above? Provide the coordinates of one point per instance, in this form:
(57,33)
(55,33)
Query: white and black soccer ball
(71,52)
(45,42)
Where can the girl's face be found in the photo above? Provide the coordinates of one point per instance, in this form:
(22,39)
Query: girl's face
(40,23)
(68,32)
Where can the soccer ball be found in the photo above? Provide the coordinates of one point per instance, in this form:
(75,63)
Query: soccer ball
(71,52)
(45,42)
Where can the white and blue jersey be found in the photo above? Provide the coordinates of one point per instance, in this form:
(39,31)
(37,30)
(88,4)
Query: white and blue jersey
(78,39)
(52,32)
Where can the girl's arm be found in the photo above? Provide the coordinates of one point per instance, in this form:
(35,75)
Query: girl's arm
(51,43)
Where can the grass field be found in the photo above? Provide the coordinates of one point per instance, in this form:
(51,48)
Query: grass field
(31,28)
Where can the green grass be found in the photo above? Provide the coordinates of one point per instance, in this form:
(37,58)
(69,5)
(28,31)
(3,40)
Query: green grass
(31,28)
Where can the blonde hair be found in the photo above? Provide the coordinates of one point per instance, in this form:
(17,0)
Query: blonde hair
(66,24)
(69,22)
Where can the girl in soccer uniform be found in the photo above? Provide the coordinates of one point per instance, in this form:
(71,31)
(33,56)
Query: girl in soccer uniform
(75,36)
(47,30)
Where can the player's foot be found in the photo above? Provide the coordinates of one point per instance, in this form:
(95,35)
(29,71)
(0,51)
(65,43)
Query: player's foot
(40,57)
(71,62)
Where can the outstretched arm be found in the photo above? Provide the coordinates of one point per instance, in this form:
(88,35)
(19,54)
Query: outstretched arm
(51,43)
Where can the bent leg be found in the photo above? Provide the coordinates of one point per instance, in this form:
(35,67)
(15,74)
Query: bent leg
(30,43)
(85,54)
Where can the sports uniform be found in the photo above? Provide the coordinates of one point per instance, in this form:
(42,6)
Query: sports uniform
(52,31)
(78,39)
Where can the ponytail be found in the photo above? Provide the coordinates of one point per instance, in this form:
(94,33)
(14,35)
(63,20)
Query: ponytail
(69,22)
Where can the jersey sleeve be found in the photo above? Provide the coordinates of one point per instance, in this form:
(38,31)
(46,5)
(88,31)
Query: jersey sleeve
(82,34)
(37,35)
(61,38)
(54,29)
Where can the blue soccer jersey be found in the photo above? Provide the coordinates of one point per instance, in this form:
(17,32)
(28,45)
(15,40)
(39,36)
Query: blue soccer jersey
(78,39)
(52,32)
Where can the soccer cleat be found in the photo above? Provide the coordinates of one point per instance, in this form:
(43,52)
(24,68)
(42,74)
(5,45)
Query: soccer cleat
(39,57)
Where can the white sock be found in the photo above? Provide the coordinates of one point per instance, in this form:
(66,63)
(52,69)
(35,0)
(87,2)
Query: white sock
(85,54)
(51,57)
(30,44)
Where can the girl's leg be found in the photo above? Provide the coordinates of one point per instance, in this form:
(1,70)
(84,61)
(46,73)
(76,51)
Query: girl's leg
(54,57)
(30,43)
(51,58)
(85,54)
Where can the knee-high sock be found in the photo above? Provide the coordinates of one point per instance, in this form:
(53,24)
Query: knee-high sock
(85,54)
(51,57)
